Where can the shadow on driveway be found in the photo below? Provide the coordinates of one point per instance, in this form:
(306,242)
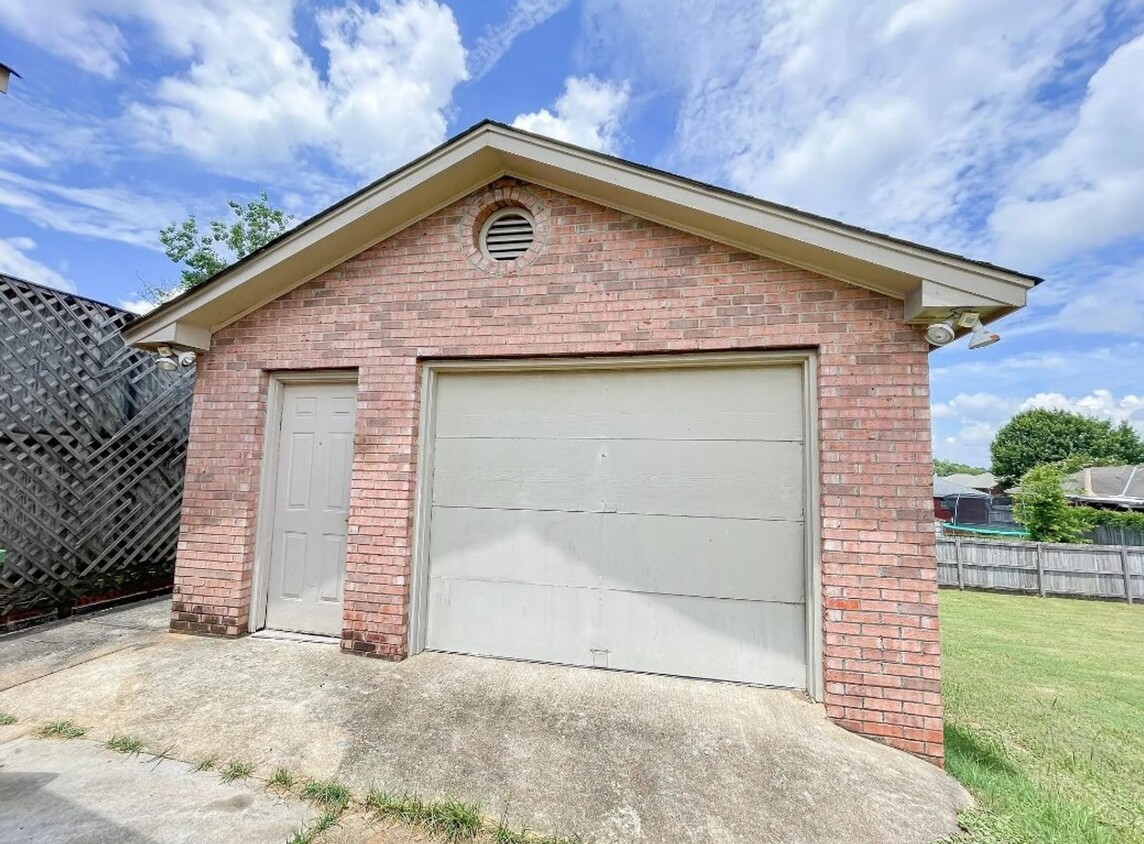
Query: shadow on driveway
(610,756)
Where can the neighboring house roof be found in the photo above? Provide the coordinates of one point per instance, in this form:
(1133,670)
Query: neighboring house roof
(945,488)
(983,481)
(1123,485)
(930,282)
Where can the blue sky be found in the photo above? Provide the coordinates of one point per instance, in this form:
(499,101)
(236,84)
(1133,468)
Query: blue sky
(1011,132)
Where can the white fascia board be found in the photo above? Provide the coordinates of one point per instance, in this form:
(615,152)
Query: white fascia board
(715,214)
(930,300)
(178,335)
(307,252)
(925,280)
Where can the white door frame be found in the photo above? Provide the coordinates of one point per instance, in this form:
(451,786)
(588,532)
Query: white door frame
(807,360)
(268,478)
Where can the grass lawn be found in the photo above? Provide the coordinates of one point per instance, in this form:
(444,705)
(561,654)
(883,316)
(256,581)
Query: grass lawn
(1044,707)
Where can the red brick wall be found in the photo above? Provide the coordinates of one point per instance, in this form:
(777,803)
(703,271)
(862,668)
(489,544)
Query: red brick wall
(599,282)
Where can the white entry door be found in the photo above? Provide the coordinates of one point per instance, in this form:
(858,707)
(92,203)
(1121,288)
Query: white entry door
(311,508)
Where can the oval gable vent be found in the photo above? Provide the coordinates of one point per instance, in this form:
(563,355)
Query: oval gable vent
(507,235)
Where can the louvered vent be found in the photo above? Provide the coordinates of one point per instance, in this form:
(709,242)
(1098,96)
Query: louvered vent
(507,235)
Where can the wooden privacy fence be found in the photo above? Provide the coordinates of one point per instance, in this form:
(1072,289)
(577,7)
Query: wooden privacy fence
(1088,571)
(93,440)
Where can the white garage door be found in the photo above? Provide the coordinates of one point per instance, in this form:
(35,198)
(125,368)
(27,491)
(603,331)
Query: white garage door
(628,518)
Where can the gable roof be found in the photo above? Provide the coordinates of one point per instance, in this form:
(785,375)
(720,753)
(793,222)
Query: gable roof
(930,282)
(945,488)
(1107,485)
(982,480)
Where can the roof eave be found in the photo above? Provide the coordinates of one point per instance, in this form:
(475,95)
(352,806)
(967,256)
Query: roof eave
(931,284)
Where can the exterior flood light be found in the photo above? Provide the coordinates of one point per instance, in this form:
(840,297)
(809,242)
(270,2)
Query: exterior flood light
(940,333)
(945,332)
(166,361)
(981,337)
(187,359)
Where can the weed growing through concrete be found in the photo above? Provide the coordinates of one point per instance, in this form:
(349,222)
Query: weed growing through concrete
(236,771)
(124,744)
(62,729)
(207,763)
(281,779)
(389,804)
(331,796)
(453,819)
(7,718)
(504,834)
(309,834)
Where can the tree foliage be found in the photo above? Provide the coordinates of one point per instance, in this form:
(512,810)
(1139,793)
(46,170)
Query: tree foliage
(205,253)
(1044,511)
(945,468)
(1038,437)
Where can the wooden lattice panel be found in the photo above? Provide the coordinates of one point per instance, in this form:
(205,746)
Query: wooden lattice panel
(93,443)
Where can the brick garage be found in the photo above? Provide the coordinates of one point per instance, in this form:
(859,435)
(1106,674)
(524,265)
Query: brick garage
(596,281)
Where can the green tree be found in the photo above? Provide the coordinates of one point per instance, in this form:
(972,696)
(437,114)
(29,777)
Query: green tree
(1042,508)
(1037,437)
(1125,445)
(949,467)
(203,254)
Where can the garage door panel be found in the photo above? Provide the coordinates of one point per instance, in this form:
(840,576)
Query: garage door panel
(743,480)
(747,641)
(525,546)
(643,519)
(734,479)
(703,557)
(727,403)
(515,620)
(659,554)
(744,641)
(518,474)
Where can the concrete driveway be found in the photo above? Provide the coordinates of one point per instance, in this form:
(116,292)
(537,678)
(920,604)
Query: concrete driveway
(609,756)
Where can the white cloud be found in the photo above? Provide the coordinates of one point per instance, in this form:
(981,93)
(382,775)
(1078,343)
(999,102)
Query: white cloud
(1063,368)
(391,79)
(246,98)
(1100,404)
(252,97)
(1087,298)
(587,114)
(966,424)
(15,261)
(1113,302)
(1089,189)
(250,94)
(67,29)
(107,213)
(37,135)
(894,116)
(137,306)
(497,38)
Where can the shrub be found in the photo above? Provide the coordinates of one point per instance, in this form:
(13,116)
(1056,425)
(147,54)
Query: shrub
(1044,511)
